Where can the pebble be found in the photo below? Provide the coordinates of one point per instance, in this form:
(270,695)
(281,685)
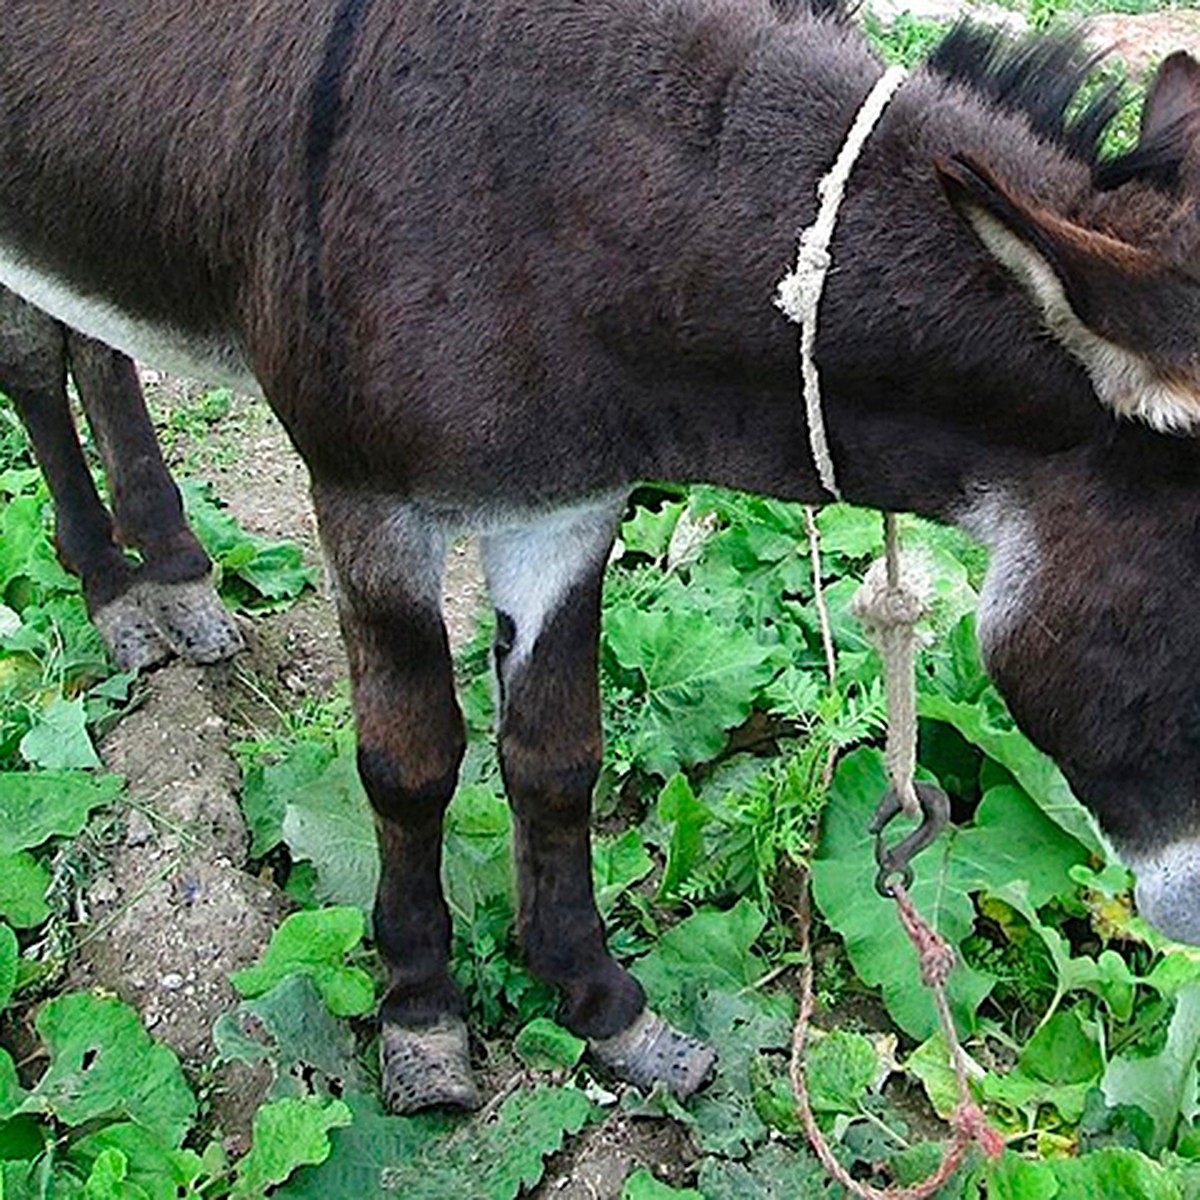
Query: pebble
(171,982)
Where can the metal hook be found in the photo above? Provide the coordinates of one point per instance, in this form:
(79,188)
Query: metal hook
(897,859)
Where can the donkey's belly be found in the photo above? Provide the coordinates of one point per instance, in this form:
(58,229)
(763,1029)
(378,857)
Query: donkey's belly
(173,350)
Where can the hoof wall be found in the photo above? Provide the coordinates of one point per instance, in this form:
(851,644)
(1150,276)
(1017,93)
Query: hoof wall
(650,1052)
(131,635)
(427,1068)
(192,619)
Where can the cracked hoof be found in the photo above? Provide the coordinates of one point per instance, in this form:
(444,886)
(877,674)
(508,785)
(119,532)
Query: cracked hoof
(650,1051)
(131,635)
(192,619)
(427,1068)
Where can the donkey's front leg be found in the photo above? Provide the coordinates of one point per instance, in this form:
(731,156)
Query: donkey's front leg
(545,581)
(387,562)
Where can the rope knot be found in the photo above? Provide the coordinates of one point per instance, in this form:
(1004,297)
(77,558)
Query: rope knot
(799,291)
(884,604)
(935,954)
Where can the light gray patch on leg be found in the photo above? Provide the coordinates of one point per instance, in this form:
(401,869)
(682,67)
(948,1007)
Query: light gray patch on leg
(427,1068)
(530,567)
(650,1052)
(132,637)
(1168,888)
(192,619)
(998,519)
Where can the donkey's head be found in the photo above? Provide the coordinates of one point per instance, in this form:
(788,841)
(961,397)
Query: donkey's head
(1088,619)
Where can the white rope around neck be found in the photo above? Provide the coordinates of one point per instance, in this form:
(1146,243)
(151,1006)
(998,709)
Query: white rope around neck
(799,293)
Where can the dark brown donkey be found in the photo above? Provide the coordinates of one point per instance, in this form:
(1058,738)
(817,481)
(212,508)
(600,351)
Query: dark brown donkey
(492,261)
(145,611)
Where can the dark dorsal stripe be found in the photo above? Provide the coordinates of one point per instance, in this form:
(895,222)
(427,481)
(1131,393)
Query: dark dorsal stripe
(324,125)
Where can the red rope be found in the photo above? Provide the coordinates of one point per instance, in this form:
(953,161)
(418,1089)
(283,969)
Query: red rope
(968,1124)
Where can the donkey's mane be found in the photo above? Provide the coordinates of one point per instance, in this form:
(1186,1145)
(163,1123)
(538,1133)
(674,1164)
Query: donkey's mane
(1045,78)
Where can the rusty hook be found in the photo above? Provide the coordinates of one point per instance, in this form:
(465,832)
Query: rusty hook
(897,859)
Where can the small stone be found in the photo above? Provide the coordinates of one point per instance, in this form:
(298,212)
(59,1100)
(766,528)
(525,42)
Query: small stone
(171,982)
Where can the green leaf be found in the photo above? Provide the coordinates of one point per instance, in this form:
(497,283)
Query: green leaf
(1036,772)
(59,739)
(544,1045)
(38,805)
(1164,1085)
(103,1064)
(930,1063)
(23,885)
(880,951)
(288,1134)
(617,864)
(109,1179)
(641,1185)
(161,1171)
(1010,838)
(10,954)
(26,552)
(328,823)
(686,816)
(699,679)
(266,791)
(776,1172)
(291,1029)
(12,1094)
(429,1157)
(314,944)
(1116,1173)
(649,532)
(840,1069)
(1015,1178)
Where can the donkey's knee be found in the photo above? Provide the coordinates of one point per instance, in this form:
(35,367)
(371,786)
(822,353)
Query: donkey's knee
(409,793)
(547,790)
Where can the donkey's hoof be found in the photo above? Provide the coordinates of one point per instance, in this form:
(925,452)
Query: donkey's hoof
(192,618)
(650,1052)
(131,635)
(427,1068)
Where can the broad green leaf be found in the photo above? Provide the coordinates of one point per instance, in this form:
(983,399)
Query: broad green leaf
(641,1185)
(26,552)
(1164,1085)
(38,805)
(328,823)
(314,944)
(840,1069)
(544,1045)
(266,791)
(699,679)
(1034,771)
(288,1133)
(843,883)
(103,1064)
(109,1179)
(1015,1178)
(161,1171)
(930,1063)
(777,1171)
(1112,1172)
(59,739)
(12,1094)
(617,864)
(10,955)
(291,1029)
(649,531)
(431,1157)
(1011,839)
(23,885)
(686,816)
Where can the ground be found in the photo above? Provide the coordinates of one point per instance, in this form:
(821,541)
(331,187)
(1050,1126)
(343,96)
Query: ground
(175,910)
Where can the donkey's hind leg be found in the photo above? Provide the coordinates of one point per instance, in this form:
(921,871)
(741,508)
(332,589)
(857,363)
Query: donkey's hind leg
(33,373)
(545,581)
(387,564)
(174,582)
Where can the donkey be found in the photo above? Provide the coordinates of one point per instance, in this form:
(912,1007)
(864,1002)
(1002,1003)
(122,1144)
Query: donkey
(493,261)
(145,611)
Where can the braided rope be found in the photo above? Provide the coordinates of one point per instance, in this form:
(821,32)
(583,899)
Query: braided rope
(799,293)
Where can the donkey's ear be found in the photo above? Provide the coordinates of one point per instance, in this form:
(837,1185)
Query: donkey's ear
(1173,100)
(1128,316)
